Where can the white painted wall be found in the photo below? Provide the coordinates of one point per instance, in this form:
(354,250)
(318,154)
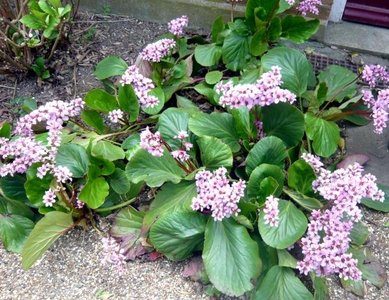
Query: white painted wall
(337,10)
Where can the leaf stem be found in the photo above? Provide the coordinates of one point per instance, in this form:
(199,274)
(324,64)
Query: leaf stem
(120,205)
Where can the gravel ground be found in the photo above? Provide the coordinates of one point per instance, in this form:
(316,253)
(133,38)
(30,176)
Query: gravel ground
(72,268)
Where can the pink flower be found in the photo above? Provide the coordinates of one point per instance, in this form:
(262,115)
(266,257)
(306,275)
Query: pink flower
(309,6)
(151,142)
(113,254)
(215,193)
(115,115)
(375,73)
(142,86)
(156,51)
(178,25)
(264,92)
(180,155)
(313,161)
(271,211)
(379,107)
(49,198)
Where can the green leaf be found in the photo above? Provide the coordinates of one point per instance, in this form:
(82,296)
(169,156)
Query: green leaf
(45,233)
(153,170)
(269,150)
(171,198)
(94,192)
(128,101)
(14,230)
(291,227)
(296,70)
(217,27)
(304,201)
(297,29)
(285,121)
(340,81)
(230,256)
(356,287)
(14,207)
(127,228)
(324,134)
(33,22)
(213,77)
(74,157)
(377,205)
(159,93)
(285,259)
(206,90)
(5,130)
(301,176)
(131,144)
(208,55)
(13,187)
(282,283)
(359,234)
(244,123)
(119,181)
(186,103)
(275,29)
(170,123)
(235,51)
(178,234)
(36,188)
(259,43)
(320,287)
(214,153)
(110,66)
(219,125)
(258,175)
(100,100)
(93,119)
(107,150)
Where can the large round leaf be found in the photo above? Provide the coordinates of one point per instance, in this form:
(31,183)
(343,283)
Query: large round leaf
(301,176)
(178,234)
(14,230)
(291,226)
(128,101)
(219,125)
(297,29)
(270,150)
(259,174)
(235,51)
(170,123)
(110,66)
(107,150)
(296,70)
(171,198)
(159,93)
(230,256)
(119,181)
(94,192)
(100,100)
(153,170)
(74,157)
(214,153)
(13,187)
(282,283)
(284,121)
(208,55)
(324,134)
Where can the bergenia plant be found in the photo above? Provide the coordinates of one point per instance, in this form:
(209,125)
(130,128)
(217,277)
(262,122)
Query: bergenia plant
(224,141)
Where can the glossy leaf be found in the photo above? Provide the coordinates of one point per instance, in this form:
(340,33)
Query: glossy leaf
(297,29)
(119,181)
(214,153)
(128,101)
(301,176)
(230,257)
(269,150)
(74,157)
(153,170)
(110,66)
(259,174)
(208,55)
(304,201)
(159,93)
(107,150)
(14,230)
(235,51)
(170,123)
(292,226)
(100,100)
(178,234)
(94,192)
(93,119)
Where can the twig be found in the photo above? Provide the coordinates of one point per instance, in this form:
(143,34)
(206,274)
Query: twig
(6,87)
(102,21)
(15,88)
(75,80)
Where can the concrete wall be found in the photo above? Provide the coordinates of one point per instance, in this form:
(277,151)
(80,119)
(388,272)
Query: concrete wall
(200,12)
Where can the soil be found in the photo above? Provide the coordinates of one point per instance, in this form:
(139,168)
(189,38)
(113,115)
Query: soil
(72,268)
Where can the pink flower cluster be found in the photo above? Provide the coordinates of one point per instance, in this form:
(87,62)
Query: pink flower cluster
(151,142)
(178,25)
(17,155)
(142,86)
(379,107)
(327,241)
(309,6)
(216,194)
(271,211)
(372,74)
(182,154)
(291,2)
(154,52)
(264,92)
(113,254)
(49,198)
(115,115)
